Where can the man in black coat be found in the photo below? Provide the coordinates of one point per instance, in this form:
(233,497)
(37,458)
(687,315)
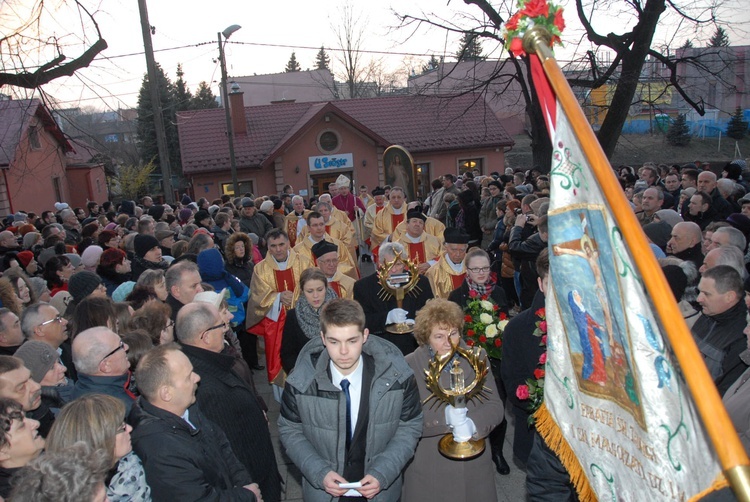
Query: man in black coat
(185,456)
(525,252)
(379,312)
(718,332)
(225,398)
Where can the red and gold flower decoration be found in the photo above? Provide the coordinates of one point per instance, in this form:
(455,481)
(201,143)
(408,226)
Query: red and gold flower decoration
(533,389)
(533,13)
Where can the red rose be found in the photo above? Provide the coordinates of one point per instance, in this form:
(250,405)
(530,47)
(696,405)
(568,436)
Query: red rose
(498,342)
(543,326)
(473,294)
(495,307)
(512,23)
(559,21)
(535,8)
(503,316)
(522,392)
(516,47)
(470,342)
(544,339)
(543,358)
(540,312)
(470,332)
(482,339)
(538,373)
(467,318)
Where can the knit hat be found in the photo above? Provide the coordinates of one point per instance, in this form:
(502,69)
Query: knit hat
(213,209)
(740,222)
(186,200)
(82,284)
(38,357)
(30,239)
(201,215)
(122,291)
(144,243)
(324,247)
(25,229)
(266,206)
(669,216)
(659,233)
(156,211)
(59,206)
(60,301)
(163,234)
(184,215)
(25,258)
(75,260)
(677,280)
(91,256)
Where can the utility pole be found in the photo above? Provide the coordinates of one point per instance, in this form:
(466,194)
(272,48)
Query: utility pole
(225,102)
(161,136)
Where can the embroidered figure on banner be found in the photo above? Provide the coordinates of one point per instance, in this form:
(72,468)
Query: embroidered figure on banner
(592,308)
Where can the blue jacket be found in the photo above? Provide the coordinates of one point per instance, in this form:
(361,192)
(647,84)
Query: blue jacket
(211,266)
(111,386)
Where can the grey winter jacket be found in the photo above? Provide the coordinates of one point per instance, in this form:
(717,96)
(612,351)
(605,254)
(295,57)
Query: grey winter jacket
(313,414)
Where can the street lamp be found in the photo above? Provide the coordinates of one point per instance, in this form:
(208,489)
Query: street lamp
(225,101)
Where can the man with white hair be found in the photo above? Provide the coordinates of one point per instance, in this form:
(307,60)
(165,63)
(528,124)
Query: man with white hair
(449,272)
(388,219)
(295,221)
(381,308)
(707,183)
(727,236)
(72,227)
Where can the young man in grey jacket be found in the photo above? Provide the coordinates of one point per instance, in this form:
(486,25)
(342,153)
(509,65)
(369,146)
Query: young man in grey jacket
(350,413)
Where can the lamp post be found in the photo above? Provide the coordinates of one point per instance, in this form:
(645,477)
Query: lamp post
(225,101)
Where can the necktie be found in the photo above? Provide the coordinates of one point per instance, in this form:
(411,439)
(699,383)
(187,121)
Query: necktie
(345,388)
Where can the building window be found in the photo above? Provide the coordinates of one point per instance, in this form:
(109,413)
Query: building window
(465,165)
(245,187)
(423,180)
(98,185)
(329,141)
(34,138)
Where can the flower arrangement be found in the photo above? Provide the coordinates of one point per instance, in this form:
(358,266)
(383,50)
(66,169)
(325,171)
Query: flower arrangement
(533,13)
(484,324)
(533,389)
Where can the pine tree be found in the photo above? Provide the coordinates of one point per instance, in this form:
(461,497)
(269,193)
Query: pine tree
(470,48)
(292,65)
(146,129)
(678,133)
(719,38)
(687,44)
(737,127)
(431,65)
(182,96)
(322,61)
(204,98)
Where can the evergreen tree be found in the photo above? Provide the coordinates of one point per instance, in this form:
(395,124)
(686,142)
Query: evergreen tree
(687,44)
(204,98)
(322,61)
(182,96)
(146,129)
(292,65)
(431,65)
(678,133)
(719,38)
(470,48)
(737,127)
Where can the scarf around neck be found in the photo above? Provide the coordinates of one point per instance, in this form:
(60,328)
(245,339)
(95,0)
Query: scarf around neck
(308,317)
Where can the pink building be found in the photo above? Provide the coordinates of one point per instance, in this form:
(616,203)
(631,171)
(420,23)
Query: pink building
(308,145)
(38,163)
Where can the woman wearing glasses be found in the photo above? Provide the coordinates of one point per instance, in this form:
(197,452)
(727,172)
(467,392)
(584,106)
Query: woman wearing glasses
(482,282)
(99,421)
(431,476)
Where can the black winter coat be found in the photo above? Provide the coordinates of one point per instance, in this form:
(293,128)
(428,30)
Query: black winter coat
(229,402)
(187,464)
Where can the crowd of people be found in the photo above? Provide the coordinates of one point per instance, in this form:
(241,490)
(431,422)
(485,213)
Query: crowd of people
(130,334)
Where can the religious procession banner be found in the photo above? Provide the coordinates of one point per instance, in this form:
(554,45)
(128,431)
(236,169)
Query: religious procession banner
(617,409)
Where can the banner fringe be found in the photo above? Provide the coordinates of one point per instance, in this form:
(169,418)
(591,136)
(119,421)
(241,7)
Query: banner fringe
(719,483)
(550,432)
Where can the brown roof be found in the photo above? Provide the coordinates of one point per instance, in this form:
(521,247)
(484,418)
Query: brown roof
(418,123)
(14,117)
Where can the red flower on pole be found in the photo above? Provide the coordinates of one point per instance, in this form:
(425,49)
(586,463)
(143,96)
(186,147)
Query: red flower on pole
(559,21)
(540,312)
(516,47)
(544,339)
(543,326)
(543,358)
(535,8)
(512,23)
(538,373)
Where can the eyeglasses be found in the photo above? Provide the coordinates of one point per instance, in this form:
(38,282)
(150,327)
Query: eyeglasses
(222,325)
(57,318)
(119,347)
(332,261)
(169,324)
(479,270)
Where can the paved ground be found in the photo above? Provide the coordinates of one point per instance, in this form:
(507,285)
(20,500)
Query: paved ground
(510,488)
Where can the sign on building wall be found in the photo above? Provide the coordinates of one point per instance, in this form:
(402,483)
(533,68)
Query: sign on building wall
(323,162)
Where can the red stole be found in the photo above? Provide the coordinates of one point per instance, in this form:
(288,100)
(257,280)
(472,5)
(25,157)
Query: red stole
(458,280)
(416,252)
(284,280)
(378,209)
(396,219)
(336,287)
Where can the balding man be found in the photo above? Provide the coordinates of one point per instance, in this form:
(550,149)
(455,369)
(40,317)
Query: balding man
(185,455)
(724,255)
(727,236)
(183,282)
(43,322)
(225,397)
(707,183)
(685,242)
(11,336)
(295,221)
(101,360)
(651,202)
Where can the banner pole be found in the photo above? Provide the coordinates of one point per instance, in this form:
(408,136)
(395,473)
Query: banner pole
(723,436)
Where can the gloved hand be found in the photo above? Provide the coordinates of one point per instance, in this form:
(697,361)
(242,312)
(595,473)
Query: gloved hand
(396,316)
(455,416)
(463,432)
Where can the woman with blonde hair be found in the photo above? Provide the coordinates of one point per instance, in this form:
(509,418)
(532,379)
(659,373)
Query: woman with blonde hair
(99,421)
(438,325)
